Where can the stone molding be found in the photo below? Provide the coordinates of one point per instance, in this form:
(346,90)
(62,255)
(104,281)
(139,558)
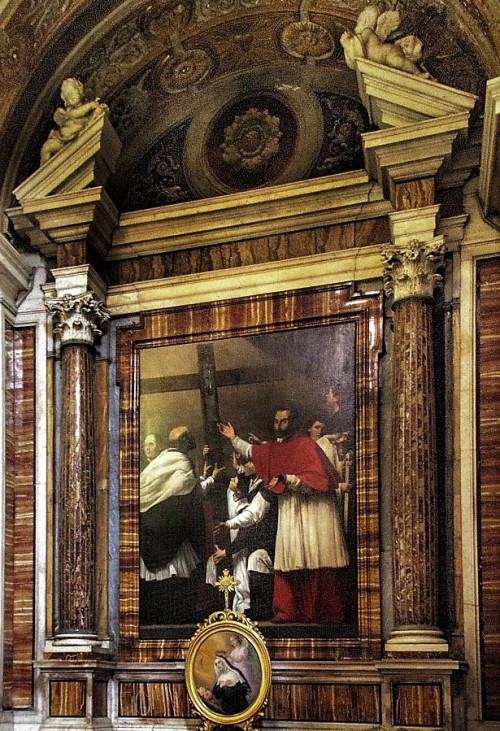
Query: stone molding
(15,274)
(489,178)
(399,154)
(349,265)
(394,98)
(68,218)
(250,214)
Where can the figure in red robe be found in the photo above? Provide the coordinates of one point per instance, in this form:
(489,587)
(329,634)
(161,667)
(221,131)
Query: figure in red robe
(310,545)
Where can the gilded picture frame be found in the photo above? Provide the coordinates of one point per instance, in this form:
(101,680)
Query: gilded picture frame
(228,671)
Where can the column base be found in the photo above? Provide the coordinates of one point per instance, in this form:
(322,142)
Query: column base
(417,639)
(79,643)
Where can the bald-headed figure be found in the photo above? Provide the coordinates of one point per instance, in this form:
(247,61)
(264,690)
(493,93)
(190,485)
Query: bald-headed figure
(181,438)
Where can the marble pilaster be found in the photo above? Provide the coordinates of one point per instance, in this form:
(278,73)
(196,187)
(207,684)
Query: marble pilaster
(411,264)
(78,318)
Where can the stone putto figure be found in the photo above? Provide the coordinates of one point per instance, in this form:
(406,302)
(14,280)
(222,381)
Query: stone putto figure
(70,119)
(370,41)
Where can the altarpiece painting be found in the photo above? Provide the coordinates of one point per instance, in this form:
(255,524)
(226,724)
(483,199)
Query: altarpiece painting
(193,504)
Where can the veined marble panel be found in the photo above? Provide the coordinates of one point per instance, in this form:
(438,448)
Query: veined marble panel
(488,353)
(19,582)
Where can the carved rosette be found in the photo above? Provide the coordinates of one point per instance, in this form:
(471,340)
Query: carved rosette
(190,68)
(411,268)
(78,319)
(306,39)
(252,140)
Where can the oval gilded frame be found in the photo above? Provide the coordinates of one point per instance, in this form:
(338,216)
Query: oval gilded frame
(212,639)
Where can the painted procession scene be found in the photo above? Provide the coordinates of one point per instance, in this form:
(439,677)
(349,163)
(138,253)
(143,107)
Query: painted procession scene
(248,464)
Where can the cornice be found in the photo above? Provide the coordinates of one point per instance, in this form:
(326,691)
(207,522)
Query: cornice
(411,152)
(250,214)
(489,179)
(394,98)
(349,265)
(15,274)
(67,218)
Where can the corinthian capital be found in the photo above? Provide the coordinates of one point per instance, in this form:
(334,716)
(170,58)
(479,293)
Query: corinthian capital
(78,318)
(410,268)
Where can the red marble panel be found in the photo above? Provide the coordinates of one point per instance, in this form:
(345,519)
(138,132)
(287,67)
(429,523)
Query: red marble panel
(153,700)
(414,194)
(8,627)
(253,251)
(20,505)
(67,698)
(324,703)
(101,418)
(488,355)
(417,705)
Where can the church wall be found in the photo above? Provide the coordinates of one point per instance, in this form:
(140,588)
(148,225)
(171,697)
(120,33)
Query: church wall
(116,261)
(323,692)
(328,691)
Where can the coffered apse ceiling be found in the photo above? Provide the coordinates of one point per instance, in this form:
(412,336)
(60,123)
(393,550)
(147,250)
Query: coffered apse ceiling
(215,96)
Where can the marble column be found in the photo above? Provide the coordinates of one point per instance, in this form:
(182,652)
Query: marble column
(410,276)
(78,320)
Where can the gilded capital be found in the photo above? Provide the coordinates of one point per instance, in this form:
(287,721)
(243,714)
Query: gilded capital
(410,269)
(78,318)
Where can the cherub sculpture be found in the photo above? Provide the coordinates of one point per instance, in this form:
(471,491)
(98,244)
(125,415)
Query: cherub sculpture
(71,119)
(370,41)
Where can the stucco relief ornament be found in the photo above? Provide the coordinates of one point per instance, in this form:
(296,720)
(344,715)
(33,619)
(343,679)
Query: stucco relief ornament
(184,69)
(305,39)
(11,65)
(78,319)
(206,9)
(410,269)
(163,15)
(251,141)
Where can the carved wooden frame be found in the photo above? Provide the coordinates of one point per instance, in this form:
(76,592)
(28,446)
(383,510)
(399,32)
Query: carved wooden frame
(251,315)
